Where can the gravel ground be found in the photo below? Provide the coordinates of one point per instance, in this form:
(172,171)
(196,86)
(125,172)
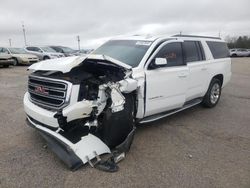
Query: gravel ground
(195,148)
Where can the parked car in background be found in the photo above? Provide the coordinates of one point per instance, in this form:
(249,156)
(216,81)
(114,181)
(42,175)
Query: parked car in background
(65,50)
(239,52)
(20,56)
(5,59)
(43,52)
(84,51)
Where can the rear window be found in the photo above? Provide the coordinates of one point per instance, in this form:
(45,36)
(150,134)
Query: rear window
(218,49)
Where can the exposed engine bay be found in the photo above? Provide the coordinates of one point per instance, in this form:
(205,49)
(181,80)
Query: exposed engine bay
(104,109)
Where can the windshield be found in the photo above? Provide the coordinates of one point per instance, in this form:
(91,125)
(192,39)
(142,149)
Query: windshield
(47,49)
(130,52)
(17,51)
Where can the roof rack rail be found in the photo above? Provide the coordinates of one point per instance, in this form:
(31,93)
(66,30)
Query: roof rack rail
(196,36)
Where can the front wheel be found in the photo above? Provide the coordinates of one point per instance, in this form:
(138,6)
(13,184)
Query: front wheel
(15,62)
(213,94)
(45,58)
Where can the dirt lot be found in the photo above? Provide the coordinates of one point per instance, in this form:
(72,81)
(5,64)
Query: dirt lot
(195,148)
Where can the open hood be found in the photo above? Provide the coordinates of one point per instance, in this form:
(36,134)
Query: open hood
(65,64)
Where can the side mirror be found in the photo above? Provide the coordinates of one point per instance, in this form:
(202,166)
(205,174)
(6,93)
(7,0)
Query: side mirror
(161,61)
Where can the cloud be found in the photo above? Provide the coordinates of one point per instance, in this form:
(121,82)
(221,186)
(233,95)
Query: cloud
(59,22)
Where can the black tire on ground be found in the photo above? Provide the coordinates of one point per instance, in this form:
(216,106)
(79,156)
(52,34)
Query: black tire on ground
(115,127)
(6,66)
(234,55)
(45,58)
(15,62)
(213,94)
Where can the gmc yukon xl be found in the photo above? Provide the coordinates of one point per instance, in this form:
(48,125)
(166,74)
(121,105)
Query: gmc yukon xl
(88,106)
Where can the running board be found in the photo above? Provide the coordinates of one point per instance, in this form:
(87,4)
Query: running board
(168,113)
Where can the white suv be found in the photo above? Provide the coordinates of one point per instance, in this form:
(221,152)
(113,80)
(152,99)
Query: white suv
(43,52)
(239,52)
(86,106)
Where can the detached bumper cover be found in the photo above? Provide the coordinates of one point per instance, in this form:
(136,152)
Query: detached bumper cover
(74,155)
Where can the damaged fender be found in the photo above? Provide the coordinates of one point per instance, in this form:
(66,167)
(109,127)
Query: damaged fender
(84,108)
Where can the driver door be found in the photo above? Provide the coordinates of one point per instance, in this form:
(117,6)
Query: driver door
(166,86)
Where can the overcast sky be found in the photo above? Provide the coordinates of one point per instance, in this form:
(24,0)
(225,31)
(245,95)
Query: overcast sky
(59,22)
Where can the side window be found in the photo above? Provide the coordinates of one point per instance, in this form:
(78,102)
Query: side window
(30,48)
(4,50)
(218,49)
(36,49)
(191,52)
(173,53)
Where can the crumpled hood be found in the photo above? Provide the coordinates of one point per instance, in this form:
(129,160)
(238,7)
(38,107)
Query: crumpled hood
(65,64)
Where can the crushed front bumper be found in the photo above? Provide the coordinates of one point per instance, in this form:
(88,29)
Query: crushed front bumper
(73,155)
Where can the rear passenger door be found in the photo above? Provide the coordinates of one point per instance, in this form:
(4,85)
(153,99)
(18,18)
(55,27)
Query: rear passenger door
(195,59)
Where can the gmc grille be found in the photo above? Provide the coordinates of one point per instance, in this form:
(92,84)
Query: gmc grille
(49,93)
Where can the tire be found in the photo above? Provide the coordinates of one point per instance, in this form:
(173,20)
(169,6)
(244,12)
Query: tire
(234,55)
(213,94)
(115,127)
(45,58)
(6,66)
(15,62)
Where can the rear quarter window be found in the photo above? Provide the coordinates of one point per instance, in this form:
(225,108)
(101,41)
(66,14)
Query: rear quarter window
(218,49)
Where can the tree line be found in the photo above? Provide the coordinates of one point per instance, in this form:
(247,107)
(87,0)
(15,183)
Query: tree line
(238,42)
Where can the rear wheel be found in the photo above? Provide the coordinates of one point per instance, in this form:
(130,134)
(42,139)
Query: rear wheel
(213,94)
(5,66)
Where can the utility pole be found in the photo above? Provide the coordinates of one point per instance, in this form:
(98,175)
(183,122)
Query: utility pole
(78,40)
(24,34)
(10,42)
(180,32)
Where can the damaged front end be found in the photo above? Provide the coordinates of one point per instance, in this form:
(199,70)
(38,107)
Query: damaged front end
(83,107)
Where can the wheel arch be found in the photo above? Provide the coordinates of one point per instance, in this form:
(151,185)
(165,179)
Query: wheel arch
(46,57)
(219,77)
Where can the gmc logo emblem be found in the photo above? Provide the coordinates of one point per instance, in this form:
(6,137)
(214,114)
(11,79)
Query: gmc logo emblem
(41,89)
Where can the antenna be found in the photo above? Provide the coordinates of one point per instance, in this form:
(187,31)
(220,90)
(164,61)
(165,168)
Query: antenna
(10,42)
(78,40)
(24,34)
